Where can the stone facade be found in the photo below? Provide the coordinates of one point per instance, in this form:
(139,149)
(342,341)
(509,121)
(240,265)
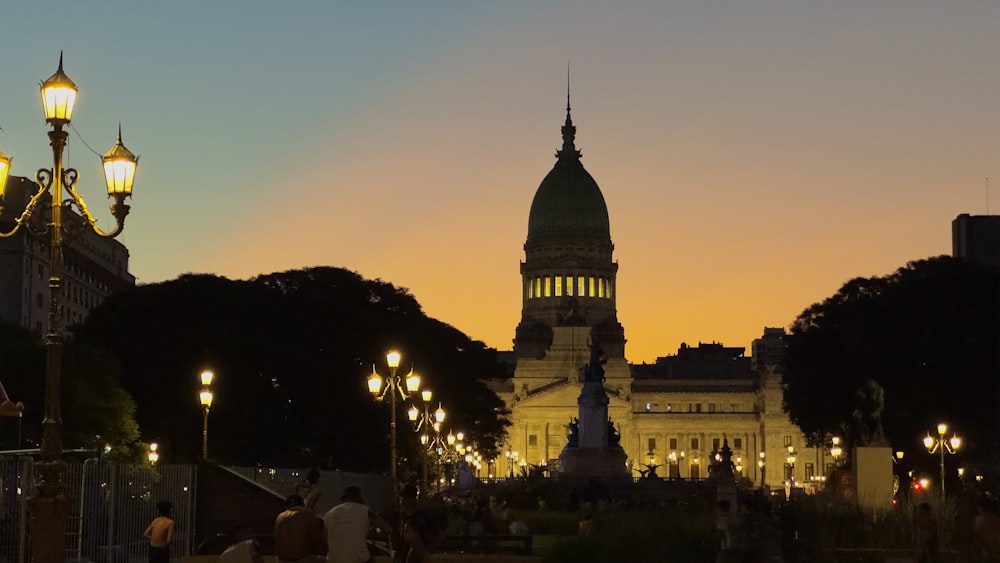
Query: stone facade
(93,267)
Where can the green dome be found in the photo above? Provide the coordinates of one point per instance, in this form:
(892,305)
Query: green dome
(568,207)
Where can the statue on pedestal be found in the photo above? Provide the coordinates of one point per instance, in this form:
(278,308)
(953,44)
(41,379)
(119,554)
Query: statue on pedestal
(867,417)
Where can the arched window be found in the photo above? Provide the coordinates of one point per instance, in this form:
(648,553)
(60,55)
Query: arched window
(581,286)
(569,286)
(548,286)
(559,285)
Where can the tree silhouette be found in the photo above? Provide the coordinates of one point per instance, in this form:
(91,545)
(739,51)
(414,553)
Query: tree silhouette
(928,333)
(291,352)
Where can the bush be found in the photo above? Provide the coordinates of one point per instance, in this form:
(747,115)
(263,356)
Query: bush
(641,537)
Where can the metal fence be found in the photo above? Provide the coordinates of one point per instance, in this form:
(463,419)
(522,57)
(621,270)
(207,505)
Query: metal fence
(110,506)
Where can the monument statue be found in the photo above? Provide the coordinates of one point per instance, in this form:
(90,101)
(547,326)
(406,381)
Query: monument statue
(594,371)
(867,417)
(614,437)
(593,444)
(573,438)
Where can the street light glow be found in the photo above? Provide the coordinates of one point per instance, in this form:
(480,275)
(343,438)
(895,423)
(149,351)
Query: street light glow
(392,358)
(58,97)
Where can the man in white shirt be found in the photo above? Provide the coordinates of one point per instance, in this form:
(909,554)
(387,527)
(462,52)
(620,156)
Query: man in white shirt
(347,526)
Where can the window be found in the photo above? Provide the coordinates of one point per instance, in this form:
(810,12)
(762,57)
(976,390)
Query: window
(538,287)
(711,407)
(673,443)
(715,444)
(690,407)
(652,444)
(548,286)
(39,300)
(600,288)
(697,408)
(732,407)
(581,286)
(737,443)
(610,285)
(529,289)
(810,471)
(788,441)
(533,439)
(591,292)
(694,444)
(559,282)
(569,286)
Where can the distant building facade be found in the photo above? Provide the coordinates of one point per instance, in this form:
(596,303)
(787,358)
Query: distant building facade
(93,267)
(674,413)
(976,238)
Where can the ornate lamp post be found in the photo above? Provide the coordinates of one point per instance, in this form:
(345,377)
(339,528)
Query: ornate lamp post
(762,465)
(790,461)
(48,505)
(941,445)
(836,451)
(206,397)
(393,387)
(153,455)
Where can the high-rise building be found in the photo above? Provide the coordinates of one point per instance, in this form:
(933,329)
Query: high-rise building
(675,412)
(93,267)
(976,238)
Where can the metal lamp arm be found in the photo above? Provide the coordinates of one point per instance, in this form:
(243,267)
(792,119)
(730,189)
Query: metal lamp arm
(43,179)
(119,209)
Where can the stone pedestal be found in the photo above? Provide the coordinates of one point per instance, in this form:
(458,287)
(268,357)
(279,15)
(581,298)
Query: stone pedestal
(873,476)
(606,464)
(594,454)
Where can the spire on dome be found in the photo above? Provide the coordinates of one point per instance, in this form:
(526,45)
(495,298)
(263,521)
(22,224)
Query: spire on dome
(568,129)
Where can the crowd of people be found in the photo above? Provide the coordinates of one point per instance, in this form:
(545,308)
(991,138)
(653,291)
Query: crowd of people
(347,533)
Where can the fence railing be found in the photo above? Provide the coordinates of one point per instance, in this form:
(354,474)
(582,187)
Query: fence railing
(110,506)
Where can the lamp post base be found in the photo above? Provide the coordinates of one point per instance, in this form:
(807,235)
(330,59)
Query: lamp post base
(47,525)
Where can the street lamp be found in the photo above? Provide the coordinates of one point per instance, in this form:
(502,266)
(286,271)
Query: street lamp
(206,397)
(761,464)
(835,450)
(790,460)
(941,445)
(48,505)
(393,386)
(153,455)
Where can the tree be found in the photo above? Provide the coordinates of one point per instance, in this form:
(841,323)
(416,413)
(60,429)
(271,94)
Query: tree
(927,333)
(95,409)
(291,352)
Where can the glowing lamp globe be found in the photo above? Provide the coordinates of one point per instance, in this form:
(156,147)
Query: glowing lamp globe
(4,170)
(412,382)
(58,97)
(119,168)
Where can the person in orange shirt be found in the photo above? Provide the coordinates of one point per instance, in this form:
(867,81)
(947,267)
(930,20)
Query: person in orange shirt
(160,533)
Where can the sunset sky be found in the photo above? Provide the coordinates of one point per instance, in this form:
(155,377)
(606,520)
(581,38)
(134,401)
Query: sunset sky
(754,154)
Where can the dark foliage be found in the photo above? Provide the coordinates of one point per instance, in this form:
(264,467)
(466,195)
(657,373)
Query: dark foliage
(291,352)
(95,409)
(928,333)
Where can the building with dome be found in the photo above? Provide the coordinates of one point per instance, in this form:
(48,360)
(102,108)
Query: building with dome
(674,413)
